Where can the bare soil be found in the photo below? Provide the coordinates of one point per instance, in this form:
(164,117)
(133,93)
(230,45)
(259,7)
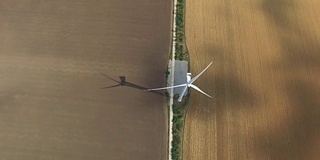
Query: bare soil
(265,80)
(51,56)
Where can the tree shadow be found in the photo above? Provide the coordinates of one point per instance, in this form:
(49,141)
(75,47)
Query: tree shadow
(123,82)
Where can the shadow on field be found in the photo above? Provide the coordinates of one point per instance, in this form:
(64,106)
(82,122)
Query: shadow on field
(300,50)
(227,89)
(6,99)
(297,138)
(124,82)
(278,11)
(230,89)
(301,55)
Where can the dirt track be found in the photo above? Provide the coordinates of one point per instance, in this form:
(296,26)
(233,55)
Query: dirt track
(51,56)
(265,80)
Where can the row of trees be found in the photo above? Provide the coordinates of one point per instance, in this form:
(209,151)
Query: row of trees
(180,39)
(178,108)
(177,132)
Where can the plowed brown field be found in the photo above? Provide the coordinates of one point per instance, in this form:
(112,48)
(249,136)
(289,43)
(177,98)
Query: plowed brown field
(51,56)
(265,80)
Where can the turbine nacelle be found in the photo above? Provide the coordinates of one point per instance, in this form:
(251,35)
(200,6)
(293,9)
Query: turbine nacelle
(188,77)
(186,85)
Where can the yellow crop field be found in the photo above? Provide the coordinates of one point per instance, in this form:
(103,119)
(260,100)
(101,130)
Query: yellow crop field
(265,80)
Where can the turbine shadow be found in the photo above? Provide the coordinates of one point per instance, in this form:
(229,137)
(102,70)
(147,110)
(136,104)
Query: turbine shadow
(123,82)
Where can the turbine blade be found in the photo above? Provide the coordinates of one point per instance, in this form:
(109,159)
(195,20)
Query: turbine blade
(182,93)
(197,76)
(110,78)
(198,89)
(181,85)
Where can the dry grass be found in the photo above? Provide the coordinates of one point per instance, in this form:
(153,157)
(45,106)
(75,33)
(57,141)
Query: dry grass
(51,56)
(265,79)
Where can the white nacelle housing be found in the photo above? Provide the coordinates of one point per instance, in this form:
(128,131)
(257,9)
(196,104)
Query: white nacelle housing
(188,77)
(184,86)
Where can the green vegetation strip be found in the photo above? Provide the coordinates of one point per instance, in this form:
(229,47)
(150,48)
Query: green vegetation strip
(181,51)
(179,110)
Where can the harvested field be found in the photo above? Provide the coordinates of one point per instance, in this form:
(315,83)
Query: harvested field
(265,80)
(51,56)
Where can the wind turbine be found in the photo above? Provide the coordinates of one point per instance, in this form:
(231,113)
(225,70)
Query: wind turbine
(186,85)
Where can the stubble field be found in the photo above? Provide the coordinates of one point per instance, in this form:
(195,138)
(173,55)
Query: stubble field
(51,56)
(265,80)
